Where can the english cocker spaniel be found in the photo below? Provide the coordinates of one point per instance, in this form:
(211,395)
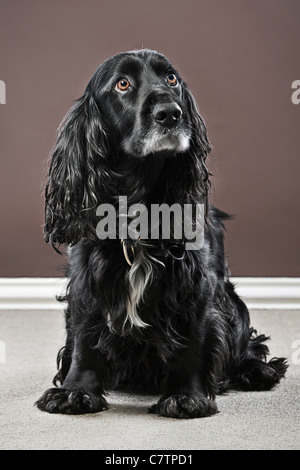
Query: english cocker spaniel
(148,309)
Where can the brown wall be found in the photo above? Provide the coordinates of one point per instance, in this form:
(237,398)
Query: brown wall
(240,58)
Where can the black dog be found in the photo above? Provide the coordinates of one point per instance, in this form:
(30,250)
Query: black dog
(146,315)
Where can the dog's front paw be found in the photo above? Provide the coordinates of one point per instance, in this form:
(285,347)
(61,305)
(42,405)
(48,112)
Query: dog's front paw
(184,406)
(59,400)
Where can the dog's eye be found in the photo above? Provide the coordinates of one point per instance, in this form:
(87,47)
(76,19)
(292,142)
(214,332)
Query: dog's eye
(122,85)
(172,79)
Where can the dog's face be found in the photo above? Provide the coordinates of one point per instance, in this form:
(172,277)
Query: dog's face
(140,96)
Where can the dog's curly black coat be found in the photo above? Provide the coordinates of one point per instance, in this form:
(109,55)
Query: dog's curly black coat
(171,323)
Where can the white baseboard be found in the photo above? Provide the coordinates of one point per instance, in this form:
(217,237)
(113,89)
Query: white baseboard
(269,292)
(31,293)
(258,292)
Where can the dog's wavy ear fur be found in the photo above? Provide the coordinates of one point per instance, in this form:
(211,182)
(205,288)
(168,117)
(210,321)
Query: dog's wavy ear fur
(200,145)
(77,174)
(198,126)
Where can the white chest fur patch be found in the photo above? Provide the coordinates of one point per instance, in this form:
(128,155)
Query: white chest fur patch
(139,279)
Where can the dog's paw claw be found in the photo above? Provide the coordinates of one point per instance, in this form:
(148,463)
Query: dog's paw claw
(70,402)
(184,406)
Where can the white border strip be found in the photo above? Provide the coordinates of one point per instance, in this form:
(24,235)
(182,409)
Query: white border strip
(40,293)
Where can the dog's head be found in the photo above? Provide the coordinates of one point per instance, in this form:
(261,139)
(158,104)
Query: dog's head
(135,105)
(143,101)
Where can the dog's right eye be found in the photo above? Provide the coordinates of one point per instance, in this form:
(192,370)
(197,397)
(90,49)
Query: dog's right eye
(122,85)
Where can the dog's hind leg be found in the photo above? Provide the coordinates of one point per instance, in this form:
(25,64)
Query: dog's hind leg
(253,371)
(248,367)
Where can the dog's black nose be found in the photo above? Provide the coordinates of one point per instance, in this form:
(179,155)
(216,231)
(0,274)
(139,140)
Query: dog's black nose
(167,114)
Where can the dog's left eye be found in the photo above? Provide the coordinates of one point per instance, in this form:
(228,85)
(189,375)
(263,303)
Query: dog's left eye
(172,79)
(122,85)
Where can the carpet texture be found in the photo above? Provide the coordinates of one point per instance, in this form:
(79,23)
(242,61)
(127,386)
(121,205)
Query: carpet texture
(253,420)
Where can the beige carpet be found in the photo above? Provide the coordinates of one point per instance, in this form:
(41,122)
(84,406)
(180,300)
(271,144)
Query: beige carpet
(256,420)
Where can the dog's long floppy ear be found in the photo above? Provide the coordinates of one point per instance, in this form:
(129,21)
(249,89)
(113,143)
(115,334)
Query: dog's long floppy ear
(200,139)
(200,146)
(77,174)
